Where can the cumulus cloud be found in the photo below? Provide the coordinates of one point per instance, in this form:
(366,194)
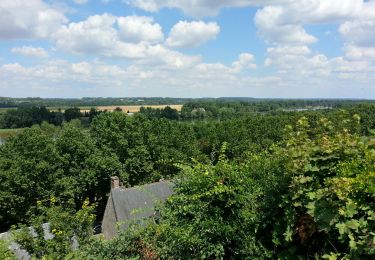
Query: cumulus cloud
(297,70)
(245,61)
(81,2)
(283,24)
(178,74)
(139,28)
(199,8)
(354,52)
(28,19)
(131,37)
(319,77)
(275,31)
(96,35)
(360,31)
(30,51)
(292,59)
(160,55)
(192,34)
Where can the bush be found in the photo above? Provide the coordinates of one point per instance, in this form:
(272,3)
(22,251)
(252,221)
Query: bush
(328,208)
(5,253)
(66,226)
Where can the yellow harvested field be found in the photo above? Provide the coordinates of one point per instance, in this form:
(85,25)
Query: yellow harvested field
(133,109)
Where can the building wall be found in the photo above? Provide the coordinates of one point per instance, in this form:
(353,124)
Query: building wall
(109,223)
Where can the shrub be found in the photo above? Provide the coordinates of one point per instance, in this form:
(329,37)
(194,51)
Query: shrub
(66,225)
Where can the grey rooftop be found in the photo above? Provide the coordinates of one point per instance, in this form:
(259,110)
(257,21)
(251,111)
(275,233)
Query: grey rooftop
(131,204)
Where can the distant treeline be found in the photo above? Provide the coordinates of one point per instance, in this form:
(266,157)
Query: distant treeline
(266,104)
(225,109)
(26,116)
(29,116)
(88,102)
(198,109)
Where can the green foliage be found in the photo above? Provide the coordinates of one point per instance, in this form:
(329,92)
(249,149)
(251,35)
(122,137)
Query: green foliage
(28,116)
(5,253)
(83,169)
(148,149)
(27,164)
(66,225)
(72,113)
(253,191)
(329,207)
(132,244)
(211,216)
(311,196)
(38,163)
(154,113)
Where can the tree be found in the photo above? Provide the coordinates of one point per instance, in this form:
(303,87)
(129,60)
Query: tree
(72,113)
(27,167)
(68,227)
(84,171)
(170,113)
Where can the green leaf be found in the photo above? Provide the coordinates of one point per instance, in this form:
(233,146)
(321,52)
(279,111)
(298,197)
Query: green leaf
(352,224)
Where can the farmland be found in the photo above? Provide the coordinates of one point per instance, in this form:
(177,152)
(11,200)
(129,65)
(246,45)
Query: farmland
(130,109)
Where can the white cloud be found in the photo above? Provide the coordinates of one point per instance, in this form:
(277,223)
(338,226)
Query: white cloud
(192,34)
(245,61)
(199,8)
(360,31)
(289,58)
(283,24)
(135,38)
(301,64)
(282,54)
(30,51)
(28,19)
(96,36)
(81,2)
(139,28)
(359,53)
(300,73)
(275,31)
(75,79)
(159,55)
(146,64)
(83,68)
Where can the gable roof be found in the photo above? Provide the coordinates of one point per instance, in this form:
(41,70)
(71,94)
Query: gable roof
(130,204)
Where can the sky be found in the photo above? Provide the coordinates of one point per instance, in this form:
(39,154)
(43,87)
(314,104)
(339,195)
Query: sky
(187,48)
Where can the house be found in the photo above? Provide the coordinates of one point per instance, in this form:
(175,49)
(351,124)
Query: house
(126,205)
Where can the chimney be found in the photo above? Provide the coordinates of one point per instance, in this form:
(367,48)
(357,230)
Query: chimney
(115,182)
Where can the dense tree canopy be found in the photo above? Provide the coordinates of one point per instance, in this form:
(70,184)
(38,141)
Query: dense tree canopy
(249,184)
(312,196)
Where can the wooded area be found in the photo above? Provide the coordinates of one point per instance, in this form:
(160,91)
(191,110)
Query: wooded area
(254,179)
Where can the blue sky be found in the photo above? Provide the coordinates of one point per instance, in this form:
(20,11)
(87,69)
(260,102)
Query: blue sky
(181,48)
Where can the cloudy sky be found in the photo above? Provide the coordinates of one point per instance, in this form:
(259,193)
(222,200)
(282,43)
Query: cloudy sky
(188,48)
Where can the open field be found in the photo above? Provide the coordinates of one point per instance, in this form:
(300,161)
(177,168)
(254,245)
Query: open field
(131,109)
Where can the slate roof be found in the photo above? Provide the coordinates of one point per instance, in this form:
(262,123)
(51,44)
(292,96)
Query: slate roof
(130,204)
